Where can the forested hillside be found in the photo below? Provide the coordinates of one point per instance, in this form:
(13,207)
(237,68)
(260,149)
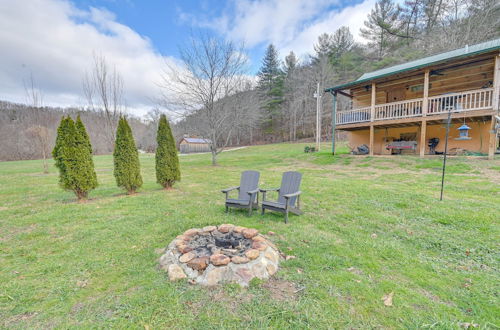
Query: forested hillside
(279,105)
(282,106)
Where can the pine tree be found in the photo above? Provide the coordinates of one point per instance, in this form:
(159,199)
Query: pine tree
(382,26)
(79,174)
(167,161)
(271,89)
(126,159)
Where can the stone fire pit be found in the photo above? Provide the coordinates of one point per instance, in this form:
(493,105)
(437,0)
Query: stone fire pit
(227,253)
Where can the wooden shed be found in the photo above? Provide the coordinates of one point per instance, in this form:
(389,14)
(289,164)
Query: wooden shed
(189,144)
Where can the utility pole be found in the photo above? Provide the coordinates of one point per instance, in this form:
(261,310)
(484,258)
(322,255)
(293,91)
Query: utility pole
(317,95)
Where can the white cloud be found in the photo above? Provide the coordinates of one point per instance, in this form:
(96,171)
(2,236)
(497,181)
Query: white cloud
(290,25)
(55,41)
(351,16)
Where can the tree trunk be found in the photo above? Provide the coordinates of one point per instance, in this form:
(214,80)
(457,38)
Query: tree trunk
(214,158)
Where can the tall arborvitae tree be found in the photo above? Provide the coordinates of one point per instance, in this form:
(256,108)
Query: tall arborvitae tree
(62,133)
(167,161)
(79,174)
(81,128)
(127,170)
(270,85)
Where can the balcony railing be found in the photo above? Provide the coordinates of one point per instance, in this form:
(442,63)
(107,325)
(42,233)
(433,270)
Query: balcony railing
(479,99)
(463,101)
(401,109)
(354,116)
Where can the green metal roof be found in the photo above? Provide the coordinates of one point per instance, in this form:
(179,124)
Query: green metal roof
(423,62)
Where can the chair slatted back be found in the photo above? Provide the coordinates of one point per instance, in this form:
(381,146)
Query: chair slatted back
(249,181)
(290,183)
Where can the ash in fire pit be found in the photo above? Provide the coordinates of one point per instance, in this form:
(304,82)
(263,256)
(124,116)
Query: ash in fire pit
(227,253)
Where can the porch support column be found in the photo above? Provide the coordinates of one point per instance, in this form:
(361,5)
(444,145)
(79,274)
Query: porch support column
(372,136)
(496,86)
(496,109)
(423,133)
(334,119)
(373,102)
(493,139)
(425,101)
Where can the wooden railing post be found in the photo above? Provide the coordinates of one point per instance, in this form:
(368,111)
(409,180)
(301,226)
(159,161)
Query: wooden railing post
(425,101)
(374,100)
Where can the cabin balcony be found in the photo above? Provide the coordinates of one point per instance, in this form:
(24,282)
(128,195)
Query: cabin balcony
(413,109)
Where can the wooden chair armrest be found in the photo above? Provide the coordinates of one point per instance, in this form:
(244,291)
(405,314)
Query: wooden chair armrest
(252,192)
(297,193)
(229,189)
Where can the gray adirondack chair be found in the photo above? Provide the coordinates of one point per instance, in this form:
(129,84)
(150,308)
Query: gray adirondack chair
(248,192)
(288,198)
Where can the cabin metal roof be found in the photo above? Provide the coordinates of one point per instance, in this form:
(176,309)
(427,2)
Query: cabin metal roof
(466,51)
(196,140)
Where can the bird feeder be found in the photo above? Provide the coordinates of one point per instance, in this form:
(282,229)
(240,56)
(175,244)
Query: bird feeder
(464,132)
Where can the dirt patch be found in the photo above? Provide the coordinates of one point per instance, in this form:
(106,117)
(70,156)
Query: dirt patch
(18,230)
(435,298)
(19,318)
(281,290)
(231,302)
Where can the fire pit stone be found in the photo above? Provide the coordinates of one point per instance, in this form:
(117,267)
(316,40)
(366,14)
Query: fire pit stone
(213,255)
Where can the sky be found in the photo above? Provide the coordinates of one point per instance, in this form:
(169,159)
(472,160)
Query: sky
(53,41)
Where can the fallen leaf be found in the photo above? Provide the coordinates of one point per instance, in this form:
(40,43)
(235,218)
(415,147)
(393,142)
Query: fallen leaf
(146,327)
(374,235)
(134,246)
(289,257)
(271,233)
(82,284)
(467,252)
(300,270)
(388,299)
(468,325)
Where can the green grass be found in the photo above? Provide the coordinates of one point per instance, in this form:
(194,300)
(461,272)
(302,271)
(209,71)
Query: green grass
(371,226)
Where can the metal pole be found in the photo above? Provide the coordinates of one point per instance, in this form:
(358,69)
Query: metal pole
(334,119)
(445,152)
(317,117)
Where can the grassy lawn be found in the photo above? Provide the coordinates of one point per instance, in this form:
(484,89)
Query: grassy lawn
(372,226)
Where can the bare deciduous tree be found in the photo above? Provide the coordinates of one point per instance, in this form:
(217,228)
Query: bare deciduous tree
(103,89)
(39,132)
(212,69)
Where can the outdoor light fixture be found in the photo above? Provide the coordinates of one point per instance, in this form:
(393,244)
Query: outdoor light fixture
(464,132)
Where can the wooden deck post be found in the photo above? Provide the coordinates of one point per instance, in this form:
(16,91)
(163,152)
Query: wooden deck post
(423,133)
(425,101)
(496,85)
(372,136)
(496,109)
(493,139)
(373,102)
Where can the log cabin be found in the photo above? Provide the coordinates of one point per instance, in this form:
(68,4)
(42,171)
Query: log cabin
(405,108)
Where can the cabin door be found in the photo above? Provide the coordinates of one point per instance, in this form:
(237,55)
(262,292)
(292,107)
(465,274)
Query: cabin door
(395,95)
